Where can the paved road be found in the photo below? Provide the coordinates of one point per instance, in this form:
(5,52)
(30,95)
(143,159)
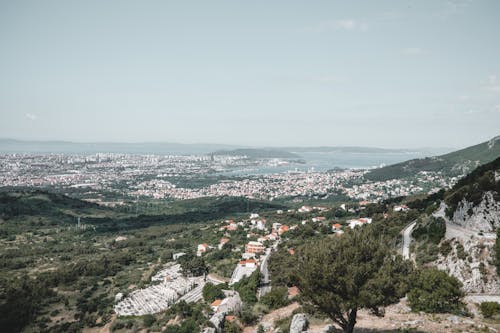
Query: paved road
(479,298)
(407,239)
(454,230)
(265,288)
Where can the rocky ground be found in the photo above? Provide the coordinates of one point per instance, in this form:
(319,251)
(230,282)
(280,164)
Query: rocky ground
(398,318)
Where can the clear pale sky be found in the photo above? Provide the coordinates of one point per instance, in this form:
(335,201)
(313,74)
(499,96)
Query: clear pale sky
(367,73)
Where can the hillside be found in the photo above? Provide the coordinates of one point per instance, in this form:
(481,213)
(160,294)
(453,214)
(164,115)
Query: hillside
(474,201)
(464,243)
(454,164)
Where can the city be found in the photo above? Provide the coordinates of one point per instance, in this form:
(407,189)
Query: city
(111,179)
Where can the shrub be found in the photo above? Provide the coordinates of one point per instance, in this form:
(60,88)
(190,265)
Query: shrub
(489,309)
(276,298)
(148,320)
(434,291)
(212,292)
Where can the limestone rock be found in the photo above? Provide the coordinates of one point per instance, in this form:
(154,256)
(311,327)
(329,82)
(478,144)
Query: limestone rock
(299,323)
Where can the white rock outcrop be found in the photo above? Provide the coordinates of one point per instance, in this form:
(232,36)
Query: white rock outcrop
(483,217)
(299,323)
(472,266)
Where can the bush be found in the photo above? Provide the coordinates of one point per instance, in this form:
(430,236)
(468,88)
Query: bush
(212,292)
(276,298)
(431,229)
(461,252)
(489,309)
(434,291)
(148,320)
(247,287)
(445,248)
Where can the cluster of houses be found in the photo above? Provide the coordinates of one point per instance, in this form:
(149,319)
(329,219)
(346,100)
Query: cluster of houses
(309,209)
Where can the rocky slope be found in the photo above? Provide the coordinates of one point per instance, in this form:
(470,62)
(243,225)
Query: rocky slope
(483,217)
(470,261)
(472,217)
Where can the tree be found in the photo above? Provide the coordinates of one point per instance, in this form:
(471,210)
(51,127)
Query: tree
(192,265)
(339,276)
(212,292)
(435,291)
(276,298)
(247,287)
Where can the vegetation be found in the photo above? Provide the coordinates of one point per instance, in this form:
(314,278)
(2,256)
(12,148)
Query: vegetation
(474,185)
(212,292)
(247,287)
(489,309)
(276,298)
(193,265)
(358,270)
(455,163)
(434,291)
(55,273)
(430,229)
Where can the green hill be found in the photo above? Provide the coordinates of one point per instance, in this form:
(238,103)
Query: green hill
(28,209)
(453,164)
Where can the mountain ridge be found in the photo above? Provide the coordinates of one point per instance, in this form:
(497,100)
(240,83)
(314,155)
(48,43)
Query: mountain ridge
(455,163)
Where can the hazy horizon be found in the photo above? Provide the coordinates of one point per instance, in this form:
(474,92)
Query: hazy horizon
(236,146)
(390,74)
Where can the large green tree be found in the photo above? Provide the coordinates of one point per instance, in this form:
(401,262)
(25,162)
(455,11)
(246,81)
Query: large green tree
(339,276)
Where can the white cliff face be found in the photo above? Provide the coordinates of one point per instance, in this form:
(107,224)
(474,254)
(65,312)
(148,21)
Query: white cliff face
(484,217)
(472,265)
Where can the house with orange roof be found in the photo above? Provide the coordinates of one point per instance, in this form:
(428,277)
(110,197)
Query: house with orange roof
(202,248)
(215,304)
(230,318)
(283,229)
(359,222)
(254,247)
(248,263)
(336,227)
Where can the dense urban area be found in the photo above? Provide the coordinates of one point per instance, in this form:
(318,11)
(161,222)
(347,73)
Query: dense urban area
(111,179)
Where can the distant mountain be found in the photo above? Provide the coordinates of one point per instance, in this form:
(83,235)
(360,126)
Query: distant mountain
(66,147)
(259,153)
(455,163)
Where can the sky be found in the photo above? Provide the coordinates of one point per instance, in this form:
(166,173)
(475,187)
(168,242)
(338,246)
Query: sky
(395,74)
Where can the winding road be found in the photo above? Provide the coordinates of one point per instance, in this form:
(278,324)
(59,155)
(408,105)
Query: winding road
(407,239)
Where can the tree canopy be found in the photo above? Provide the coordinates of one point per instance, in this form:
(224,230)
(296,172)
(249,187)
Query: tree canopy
(433,290)
(339,276)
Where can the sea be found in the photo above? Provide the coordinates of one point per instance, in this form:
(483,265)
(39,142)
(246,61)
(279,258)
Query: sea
(325,161)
